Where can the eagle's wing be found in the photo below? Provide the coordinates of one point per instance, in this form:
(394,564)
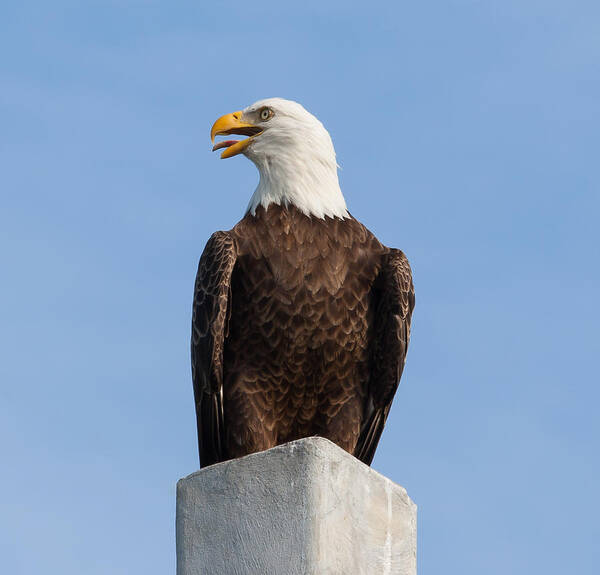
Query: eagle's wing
(210,317)
(395,300)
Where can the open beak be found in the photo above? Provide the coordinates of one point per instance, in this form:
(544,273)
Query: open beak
(232,124)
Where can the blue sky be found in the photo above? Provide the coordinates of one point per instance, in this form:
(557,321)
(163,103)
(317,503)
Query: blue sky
(468,134)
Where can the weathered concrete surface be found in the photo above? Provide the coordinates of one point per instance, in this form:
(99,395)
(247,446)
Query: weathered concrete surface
(306,507)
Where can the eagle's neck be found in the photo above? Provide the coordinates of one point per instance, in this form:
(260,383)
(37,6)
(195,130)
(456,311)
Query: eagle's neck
(307,181)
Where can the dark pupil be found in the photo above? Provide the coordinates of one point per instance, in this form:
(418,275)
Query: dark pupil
(265,113)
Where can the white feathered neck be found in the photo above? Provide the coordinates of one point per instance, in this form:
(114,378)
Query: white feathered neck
(296,161)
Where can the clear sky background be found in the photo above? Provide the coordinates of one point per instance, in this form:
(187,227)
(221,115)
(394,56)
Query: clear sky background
(468,133)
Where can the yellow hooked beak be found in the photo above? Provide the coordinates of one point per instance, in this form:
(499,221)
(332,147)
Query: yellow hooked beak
(232,124)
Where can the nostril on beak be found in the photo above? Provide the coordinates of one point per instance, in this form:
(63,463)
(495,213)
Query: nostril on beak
(236,116)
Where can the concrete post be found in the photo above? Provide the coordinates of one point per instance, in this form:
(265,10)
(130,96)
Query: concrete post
(306,507)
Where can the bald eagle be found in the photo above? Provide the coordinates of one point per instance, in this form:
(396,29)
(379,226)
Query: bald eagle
(301,317)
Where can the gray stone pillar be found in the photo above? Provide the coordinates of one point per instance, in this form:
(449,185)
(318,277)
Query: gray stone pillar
(306,507)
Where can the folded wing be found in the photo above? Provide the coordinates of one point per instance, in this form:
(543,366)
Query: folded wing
(395,299)
(210,315)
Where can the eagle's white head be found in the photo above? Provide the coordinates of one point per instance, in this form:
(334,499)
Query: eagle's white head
(294,155)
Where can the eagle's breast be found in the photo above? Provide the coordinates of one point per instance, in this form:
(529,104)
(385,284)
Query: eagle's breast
(301,292)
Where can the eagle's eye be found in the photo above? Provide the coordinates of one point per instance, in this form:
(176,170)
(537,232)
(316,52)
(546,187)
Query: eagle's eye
(265,114)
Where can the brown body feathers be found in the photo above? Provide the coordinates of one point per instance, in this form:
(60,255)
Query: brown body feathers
(300,327)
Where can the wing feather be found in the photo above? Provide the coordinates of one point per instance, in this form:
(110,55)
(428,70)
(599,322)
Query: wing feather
(395,299)
(210,316)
